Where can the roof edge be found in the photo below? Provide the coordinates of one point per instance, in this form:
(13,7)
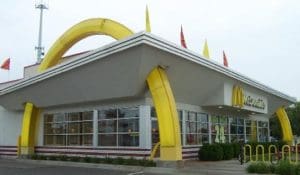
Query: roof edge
(154,41)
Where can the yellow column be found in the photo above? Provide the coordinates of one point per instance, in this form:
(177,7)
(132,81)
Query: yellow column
(253,131)
(285,125)
(30,118)
(168,122)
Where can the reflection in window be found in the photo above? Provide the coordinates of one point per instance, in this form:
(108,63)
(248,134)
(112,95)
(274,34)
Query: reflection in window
(263,131)
(236,129)
(118,127)
(196,128)
(68,129)
(219,129)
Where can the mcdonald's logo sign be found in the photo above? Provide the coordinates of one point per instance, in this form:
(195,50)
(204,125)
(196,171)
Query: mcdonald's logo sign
(237,96)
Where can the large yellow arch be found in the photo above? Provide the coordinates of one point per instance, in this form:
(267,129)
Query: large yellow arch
(157,80)
(95,26)
(287,134)
(168,122)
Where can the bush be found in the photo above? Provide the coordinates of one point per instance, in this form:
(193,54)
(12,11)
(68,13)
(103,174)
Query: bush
(131,161)
(286,168)
(87,159)
(75,159)
(34,157)
(236,149)
(118,161)
(211,152)
(282,168)
(259,167)
(227,151)
(52,158)
(107,160)
(62,158)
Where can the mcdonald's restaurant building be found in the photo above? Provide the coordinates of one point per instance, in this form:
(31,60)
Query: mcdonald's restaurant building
(119,101)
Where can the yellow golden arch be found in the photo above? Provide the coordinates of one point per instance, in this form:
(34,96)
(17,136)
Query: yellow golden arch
(157,80)
(238,101)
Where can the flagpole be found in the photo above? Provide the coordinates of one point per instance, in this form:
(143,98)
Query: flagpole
(8,70)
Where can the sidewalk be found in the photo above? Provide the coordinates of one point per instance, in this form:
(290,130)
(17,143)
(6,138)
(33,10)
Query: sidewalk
(231,167)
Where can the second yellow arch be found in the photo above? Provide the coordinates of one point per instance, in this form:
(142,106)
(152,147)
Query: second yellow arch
(94,26)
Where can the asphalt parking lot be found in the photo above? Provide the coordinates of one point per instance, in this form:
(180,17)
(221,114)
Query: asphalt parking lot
(42,167)
(15,167)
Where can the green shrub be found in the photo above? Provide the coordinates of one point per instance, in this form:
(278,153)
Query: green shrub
(272,168)
(108,160)
(236,149)
(62,158)
(42,157)
(34,157)
(52,158)
(286,168)
(297,169)
(131,161)
(118,161)
(95,160)
(213,152)
(75,159)
(87,159)
(227,151)
(258,167)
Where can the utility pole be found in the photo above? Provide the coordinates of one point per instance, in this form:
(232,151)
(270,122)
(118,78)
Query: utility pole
(39,48)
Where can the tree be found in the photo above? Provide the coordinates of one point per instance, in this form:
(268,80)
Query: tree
(293,113)
(294,116)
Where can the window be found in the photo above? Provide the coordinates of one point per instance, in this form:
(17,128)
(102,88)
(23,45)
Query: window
(155,129)
(69,129)
(118,127)
(236,129)
(196,128)
(219,129)
(263,131)
(251,130)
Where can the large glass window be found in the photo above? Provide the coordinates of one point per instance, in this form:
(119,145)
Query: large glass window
(69,129)
(155,129)
(118,127)
(219,129)
(251,130)
(236,129)
(263,134)
(196,125)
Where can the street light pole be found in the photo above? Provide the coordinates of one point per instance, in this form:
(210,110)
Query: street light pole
(40,48)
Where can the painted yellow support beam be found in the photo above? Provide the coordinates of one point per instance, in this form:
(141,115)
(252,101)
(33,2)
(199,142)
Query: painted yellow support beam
(285,125)
(28,134)
(154,150)
(95,26)
(168,122)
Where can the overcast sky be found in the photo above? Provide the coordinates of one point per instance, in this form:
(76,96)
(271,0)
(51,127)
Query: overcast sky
(261,38)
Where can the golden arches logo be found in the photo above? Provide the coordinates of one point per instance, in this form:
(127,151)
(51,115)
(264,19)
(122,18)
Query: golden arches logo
(237,96)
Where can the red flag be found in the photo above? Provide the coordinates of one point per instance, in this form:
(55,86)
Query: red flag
(225,59)
(6,64)
(182,40)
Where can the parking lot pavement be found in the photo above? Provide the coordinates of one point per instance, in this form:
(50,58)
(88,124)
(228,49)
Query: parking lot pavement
(38,167)
(16,167)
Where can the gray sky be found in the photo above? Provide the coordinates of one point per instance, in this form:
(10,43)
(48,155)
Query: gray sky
(260,37)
